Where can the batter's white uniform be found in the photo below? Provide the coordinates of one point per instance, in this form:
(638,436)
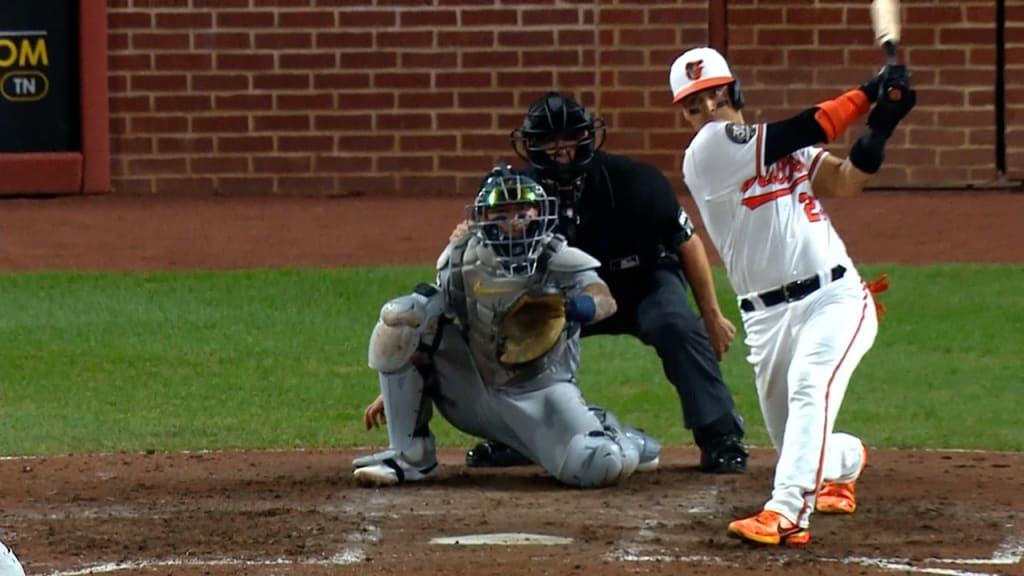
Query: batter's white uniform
(770,231)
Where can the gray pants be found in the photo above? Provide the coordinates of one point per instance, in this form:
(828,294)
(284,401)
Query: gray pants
(546,419)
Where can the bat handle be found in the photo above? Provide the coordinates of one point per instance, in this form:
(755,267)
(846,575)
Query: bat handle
(893,93)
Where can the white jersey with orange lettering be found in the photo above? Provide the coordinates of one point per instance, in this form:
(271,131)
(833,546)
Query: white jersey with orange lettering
(807,315)
(765,222)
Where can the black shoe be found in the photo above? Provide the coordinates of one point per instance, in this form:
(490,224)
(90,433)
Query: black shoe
(490,454)
(724,455)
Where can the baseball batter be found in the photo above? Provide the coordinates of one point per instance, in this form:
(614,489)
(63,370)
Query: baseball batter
(498,338)
(808,316)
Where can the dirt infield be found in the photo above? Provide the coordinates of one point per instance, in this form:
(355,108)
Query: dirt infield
(298,512)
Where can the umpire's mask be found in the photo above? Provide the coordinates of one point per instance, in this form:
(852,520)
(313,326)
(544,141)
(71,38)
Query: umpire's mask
(558,139)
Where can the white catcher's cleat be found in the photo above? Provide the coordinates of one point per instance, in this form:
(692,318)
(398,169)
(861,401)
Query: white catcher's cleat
(9,564)
(395,470)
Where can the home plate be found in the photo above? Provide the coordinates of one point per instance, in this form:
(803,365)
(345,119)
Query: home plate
(502,539)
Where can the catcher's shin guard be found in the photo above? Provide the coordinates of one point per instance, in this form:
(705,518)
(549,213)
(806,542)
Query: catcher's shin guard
(407,411)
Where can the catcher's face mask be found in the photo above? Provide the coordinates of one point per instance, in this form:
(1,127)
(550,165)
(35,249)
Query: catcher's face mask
(513,215)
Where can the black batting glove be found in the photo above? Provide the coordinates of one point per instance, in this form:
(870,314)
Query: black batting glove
(889,75)
(888,111)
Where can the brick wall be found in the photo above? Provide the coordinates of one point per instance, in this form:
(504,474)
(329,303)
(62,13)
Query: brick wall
(418,97)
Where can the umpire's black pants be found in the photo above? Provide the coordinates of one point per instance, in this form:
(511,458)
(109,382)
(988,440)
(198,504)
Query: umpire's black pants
(663,318)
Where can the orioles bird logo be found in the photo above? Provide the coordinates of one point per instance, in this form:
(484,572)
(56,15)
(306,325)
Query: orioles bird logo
(694,69)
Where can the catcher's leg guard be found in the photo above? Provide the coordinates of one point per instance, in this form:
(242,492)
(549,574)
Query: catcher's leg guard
(407,411)
(598,459)
(648,447)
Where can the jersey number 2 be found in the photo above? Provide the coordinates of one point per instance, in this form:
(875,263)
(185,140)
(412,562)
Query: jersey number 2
(811,207)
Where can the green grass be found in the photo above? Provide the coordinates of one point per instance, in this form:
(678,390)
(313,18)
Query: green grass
(277,359)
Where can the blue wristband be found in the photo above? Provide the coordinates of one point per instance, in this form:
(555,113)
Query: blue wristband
(580,308)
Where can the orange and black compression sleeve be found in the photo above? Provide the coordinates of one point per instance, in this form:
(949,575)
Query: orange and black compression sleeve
(836,115)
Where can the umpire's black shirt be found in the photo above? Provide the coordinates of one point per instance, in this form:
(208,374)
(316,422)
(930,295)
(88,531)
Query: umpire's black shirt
(629,218)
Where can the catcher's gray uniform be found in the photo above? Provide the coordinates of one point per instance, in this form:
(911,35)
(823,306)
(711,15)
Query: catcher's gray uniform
(534,407)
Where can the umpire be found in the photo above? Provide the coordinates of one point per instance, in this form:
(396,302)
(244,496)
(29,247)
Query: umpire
(625,213)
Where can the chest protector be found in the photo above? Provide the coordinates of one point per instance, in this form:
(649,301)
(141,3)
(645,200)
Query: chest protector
(480,294)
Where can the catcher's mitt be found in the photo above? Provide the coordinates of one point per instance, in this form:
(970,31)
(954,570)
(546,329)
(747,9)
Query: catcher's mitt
(530,327)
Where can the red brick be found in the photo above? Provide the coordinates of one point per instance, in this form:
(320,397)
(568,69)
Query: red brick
(280,164)
(366,19)
(468,79)
(219,164)
(159,41)
(365,142)
(304,101)
(306,61)
(244,144)
(550,57)
(219,82)
(249,19)
(364,60)
(427,18)
(183,61)
(465,121)
(343,164)
(237,102)
(159,124)
(647,36)
(127,104)
(182,103)
(184,144)
(430,60)
(418,81)
(182,185)
(187,20)
(344,40)
(236,61)
(611,17)
(306,19)
(405,39)
(497,17)
(397,164)
(404,121)
(525,79)
(131,145)
(282,40)
(296,81)
(622,57)
(365,101)
(221,40)
(567,38)
(125,20)
(426,143)
(343,81)
(281,123)
(425,100)
(214,124)
(159,82)
(754,17)
(360,185)
(159,165)
(489,100)
(490,59)
(473,38)
(554,17)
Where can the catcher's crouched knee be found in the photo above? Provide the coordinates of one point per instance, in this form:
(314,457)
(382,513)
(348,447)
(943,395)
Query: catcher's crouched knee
(594,460)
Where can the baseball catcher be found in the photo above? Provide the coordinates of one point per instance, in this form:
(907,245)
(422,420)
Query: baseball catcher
(494,346)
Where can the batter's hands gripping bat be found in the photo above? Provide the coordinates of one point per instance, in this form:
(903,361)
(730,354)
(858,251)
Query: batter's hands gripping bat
(885,19)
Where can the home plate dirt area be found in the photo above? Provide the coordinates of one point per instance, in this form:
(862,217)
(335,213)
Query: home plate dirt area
(299,512)
(957,513)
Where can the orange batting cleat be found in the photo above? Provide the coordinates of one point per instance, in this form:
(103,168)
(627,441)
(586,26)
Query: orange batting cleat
(839,497)
(770,527)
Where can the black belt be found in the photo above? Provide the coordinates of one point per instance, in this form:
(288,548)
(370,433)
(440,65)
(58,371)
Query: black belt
(791,292)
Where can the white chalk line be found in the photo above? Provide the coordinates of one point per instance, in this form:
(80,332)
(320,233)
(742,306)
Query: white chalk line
(343,558)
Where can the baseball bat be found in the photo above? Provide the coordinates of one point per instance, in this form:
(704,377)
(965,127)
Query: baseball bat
(885,19)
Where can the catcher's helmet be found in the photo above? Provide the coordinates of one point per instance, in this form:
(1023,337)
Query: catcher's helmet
(513,215)
(551,118)
(702,68)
